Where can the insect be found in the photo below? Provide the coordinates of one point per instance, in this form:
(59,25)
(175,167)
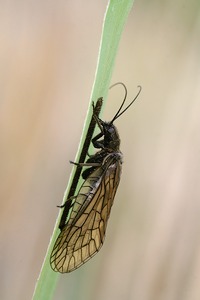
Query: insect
(84,232)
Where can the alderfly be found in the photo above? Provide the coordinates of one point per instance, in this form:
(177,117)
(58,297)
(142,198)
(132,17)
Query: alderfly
(84,232)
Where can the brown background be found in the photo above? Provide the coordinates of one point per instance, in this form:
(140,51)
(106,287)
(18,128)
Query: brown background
(48,53)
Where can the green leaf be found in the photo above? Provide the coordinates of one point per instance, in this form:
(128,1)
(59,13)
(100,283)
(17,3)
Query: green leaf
(115,18)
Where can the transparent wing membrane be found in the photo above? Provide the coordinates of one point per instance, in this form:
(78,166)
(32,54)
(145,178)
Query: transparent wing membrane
(84,232)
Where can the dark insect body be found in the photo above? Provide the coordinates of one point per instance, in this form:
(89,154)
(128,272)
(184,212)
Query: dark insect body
(84,232)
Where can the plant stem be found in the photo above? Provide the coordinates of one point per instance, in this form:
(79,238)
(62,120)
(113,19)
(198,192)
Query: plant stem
(115,18)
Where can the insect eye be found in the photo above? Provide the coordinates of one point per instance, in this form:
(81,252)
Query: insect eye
(111,130)
(108,130)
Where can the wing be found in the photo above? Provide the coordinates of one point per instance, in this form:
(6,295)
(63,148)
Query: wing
(84,233)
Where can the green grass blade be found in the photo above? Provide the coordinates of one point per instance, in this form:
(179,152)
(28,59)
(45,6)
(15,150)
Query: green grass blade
(115,18)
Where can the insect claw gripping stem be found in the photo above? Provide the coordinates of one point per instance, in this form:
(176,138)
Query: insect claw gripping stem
(67,202)
(74,163)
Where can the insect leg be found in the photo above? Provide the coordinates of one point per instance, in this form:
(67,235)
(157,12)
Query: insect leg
(95,142)
(68,203)
(67,206)
(87,164)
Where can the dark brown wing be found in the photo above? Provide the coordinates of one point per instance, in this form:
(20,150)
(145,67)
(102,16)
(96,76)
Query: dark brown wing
(84,233)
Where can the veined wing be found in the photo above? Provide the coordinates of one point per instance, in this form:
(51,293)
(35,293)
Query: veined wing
(84,233)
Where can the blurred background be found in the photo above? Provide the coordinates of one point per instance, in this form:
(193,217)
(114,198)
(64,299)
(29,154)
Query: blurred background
(48,57)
